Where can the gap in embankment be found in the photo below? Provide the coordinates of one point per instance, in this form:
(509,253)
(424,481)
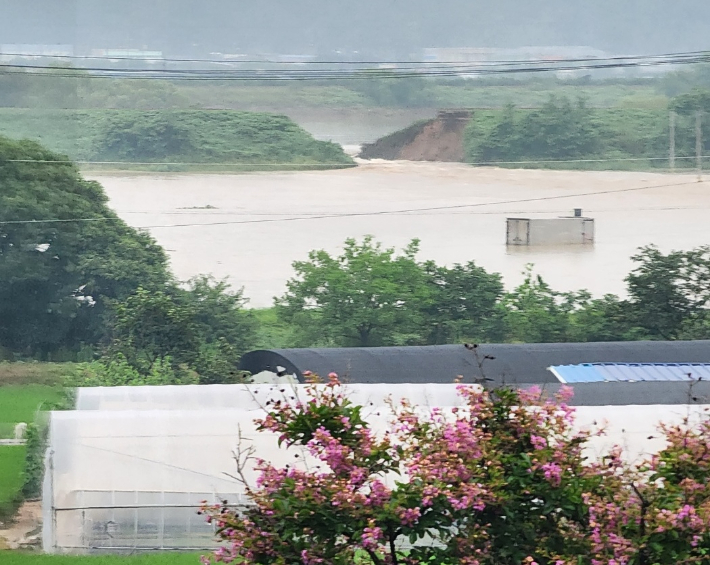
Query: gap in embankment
(438,139)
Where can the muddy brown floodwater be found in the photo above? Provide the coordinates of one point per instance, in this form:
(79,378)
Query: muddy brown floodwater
(249,235)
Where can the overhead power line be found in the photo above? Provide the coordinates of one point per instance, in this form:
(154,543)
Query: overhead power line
(404,70)
(226,212)
(265,60)
(358,214)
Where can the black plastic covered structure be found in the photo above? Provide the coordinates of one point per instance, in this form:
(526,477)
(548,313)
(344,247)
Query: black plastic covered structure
(500,363)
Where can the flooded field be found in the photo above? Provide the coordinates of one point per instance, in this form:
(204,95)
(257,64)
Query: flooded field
(250,228)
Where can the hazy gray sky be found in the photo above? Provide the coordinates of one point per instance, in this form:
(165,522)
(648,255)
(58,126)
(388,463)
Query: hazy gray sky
(384,28)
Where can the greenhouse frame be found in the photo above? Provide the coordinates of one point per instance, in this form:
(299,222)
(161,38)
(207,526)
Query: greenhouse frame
(127,469)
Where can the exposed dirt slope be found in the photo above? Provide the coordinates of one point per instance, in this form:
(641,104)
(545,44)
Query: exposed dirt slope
(440,139)
(25,530)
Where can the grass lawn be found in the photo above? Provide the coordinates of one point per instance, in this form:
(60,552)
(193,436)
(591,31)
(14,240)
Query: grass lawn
(35,373)
(24,387)
(12,466)
(15,558)
(19,403)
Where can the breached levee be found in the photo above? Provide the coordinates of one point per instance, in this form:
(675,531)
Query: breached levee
(438,139)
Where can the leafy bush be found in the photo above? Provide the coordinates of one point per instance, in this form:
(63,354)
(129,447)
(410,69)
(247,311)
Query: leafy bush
(178,335)
(203,136)
(12,462)
(399,93)
(34,461)
(116,371)
(560,131)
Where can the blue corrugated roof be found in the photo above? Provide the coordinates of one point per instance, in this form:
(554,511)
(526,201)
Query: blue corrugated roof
(630,372)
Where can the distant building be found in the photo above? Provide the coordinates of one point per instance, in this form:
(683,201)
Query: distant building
(477,59)
(459,55)
(137,54)
(10,51)
(474,55)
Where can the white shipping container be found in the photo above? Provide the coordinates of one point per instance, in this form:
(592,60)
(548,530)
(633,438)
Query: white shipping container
(550,231)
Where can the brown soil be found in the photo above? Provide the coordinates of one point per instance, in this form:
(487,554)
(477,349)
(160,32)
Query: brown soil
(440,139)
(25,529)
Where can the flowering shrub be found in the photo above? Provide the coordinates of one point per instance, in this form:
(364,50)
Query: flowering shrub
(500,480)
(658,511)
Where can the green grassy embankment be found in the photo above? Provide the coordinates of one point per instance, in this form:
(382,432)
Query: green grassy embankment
(12,466)
(175,140)
(24,389)
(619,138)
(623,139)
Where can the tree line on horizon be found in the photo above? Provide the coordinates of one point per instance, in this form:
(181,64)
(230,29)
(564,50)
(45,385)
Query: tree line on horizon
(564,133)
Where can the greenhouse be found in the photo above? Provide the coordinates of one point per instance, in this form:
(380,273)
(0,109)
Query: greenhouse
(503,363)
(127,469)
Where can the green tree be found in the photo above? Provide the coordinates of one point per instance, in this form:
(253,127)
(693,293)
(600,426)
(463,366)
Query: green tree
(697,100)
(558,130)
(602,319)
(148,136)
(63,253)
(685,80)
(150,327)
(202,329)
(401,92)
(686,107)
(463,305)
(669,293)
(367,296)
(225,328)
(535,313)
(502,142)
(56,87)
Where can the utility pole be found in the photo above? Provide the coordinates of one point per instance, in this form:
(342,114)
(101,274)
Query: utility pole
(671,151)
(699,145)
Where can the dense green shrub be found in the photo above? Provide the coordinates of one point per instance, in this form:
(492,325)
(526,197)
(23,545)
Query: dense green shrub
(203,136)
(34,461)
(56,282)
(564,131)
(566,135)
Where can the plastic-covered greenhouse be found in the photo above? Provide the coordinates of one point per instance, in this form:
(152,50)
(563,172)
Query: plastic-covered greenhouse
(127,469)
